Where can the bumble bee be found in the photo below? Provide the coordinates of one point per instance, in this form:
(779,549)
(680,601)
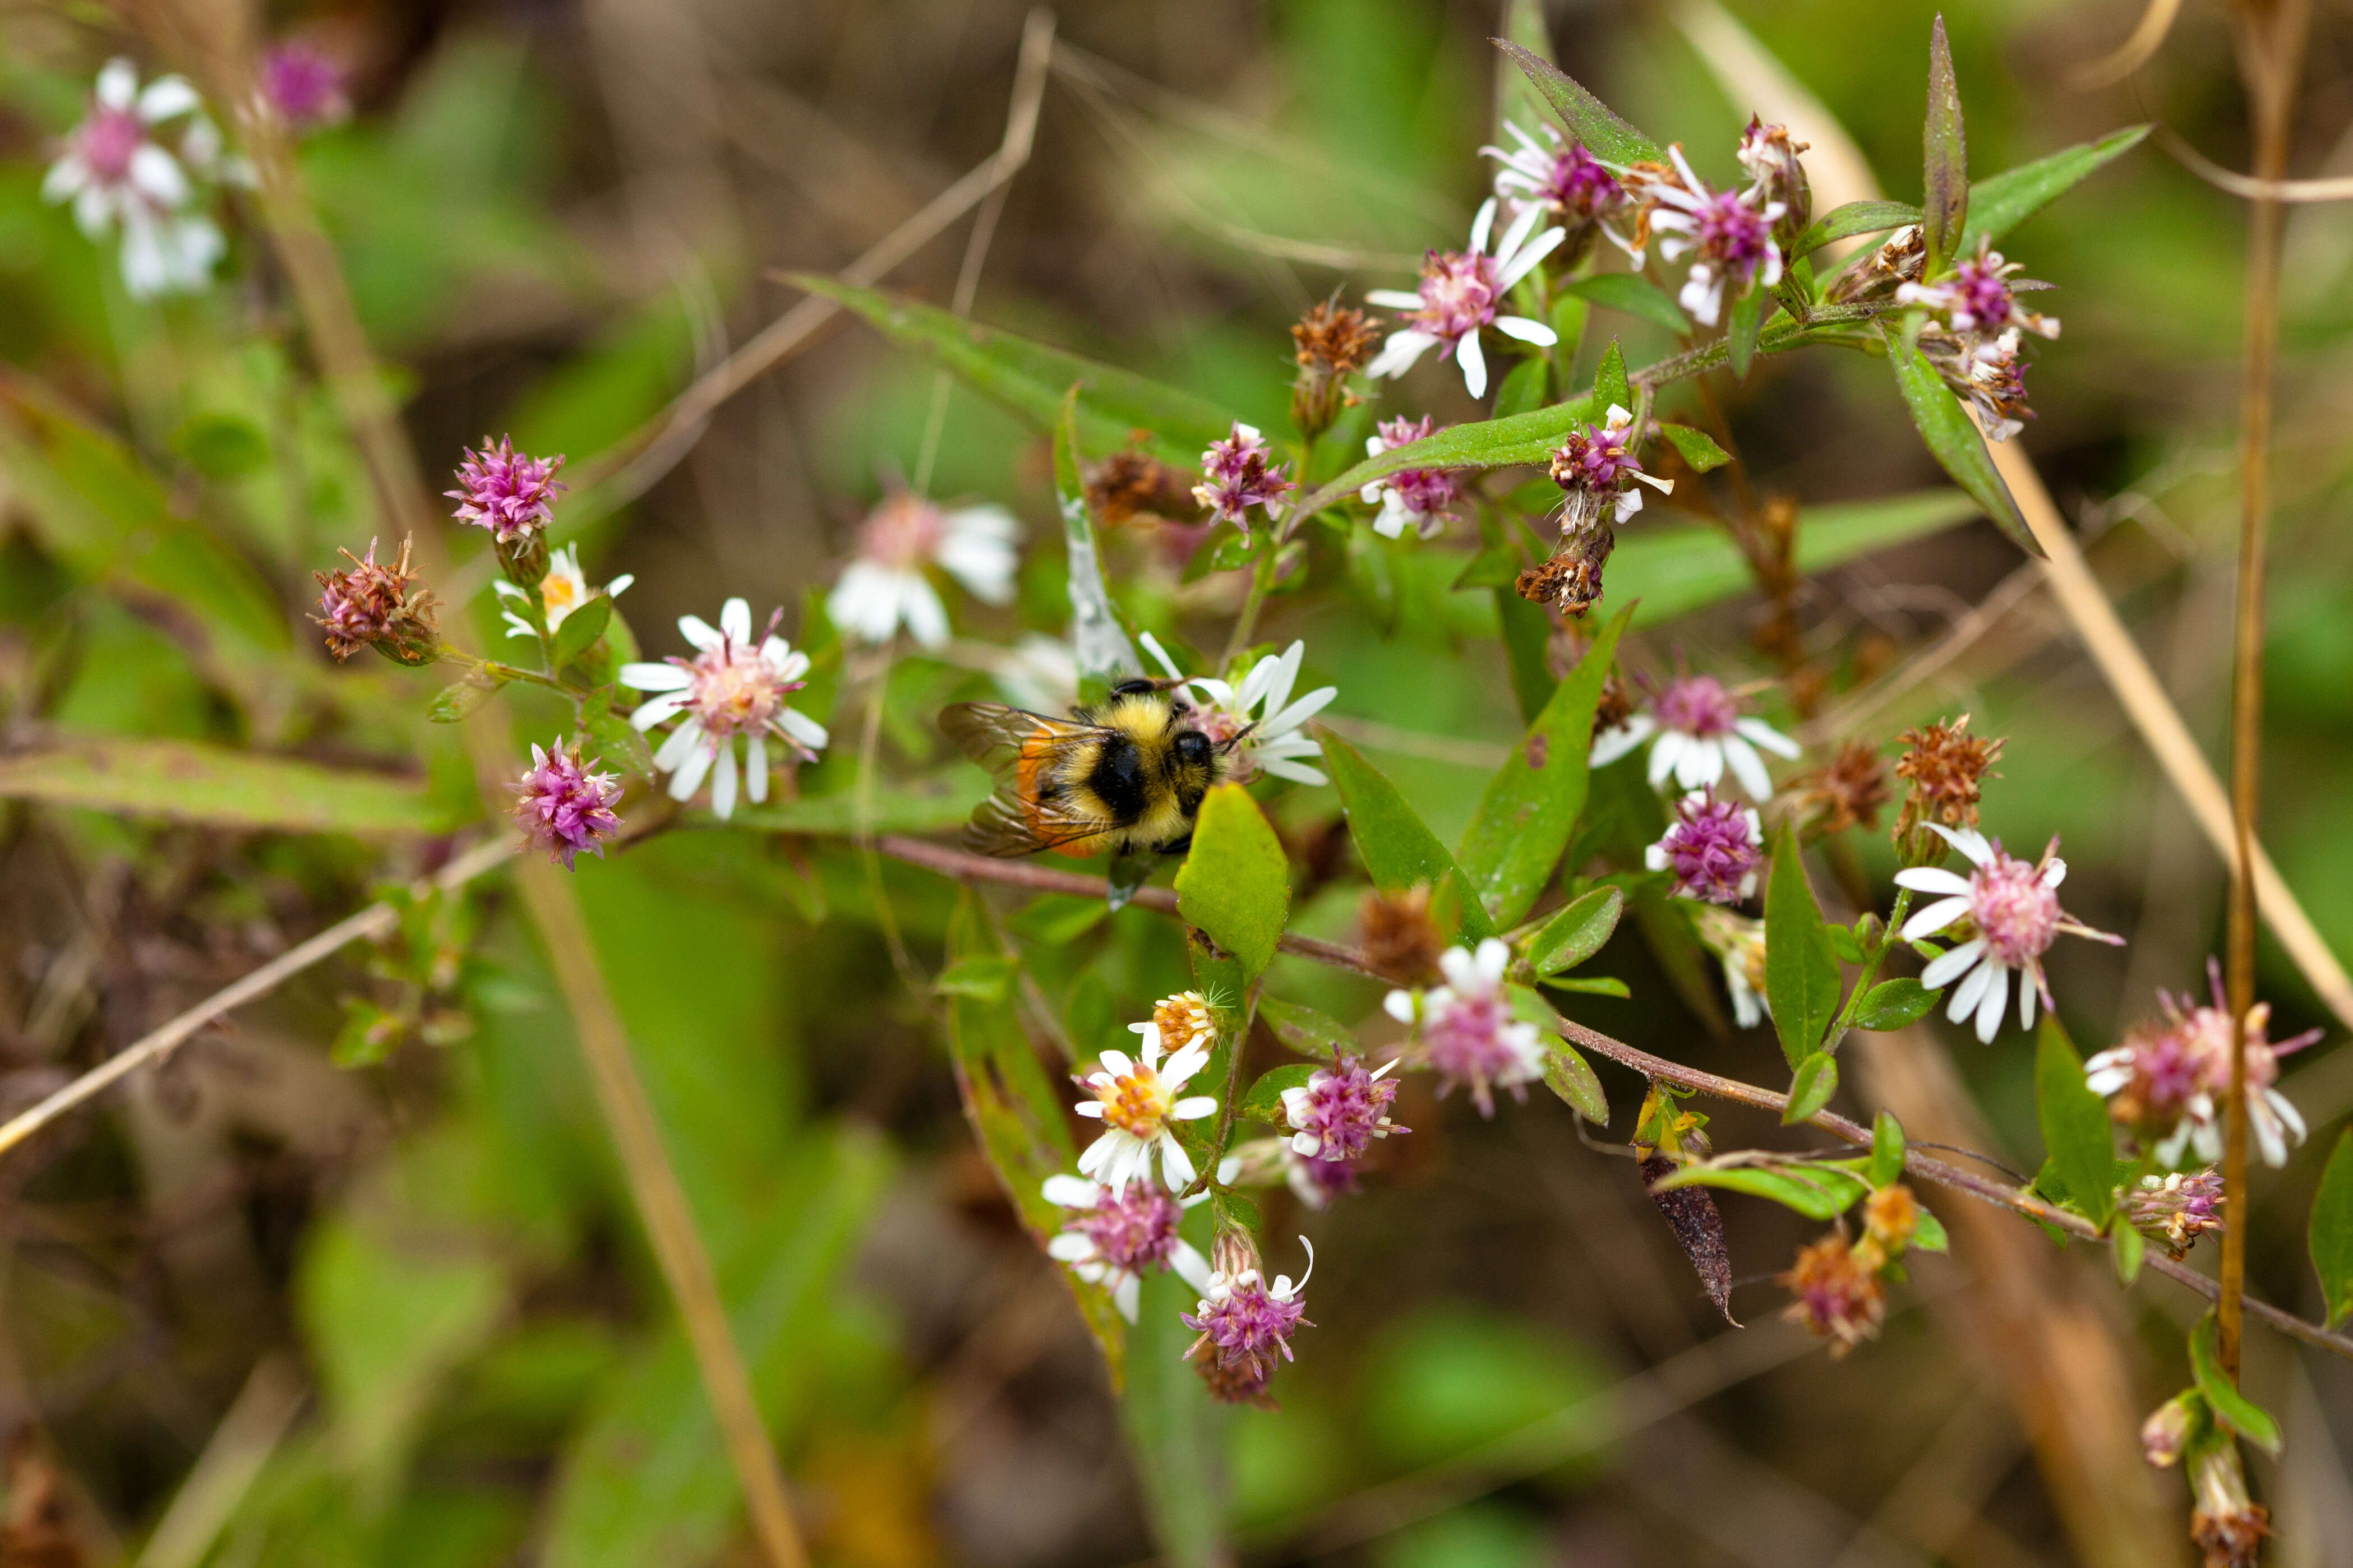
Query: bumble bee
(1127,775)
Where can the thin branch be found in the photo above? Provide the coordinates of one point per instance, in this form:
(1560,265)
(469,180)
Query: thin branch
(159,1043)
(2265,191)
(2137,49)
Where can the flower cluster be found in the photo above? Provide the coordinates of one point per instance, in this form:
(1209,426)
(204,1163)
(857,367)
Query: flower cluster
(1136,1099)
(1700,732)
(2007,914)
(1114,1238)
(1419,498)
(1331,343)
(1466,1030)
(562,808)
(1556,177)
(1972,335)
(302,86)
(1461,293)
(1236,475)
(1244,1323)
(117,172)
(2169,1079)
(1597,470)
(732,689)
(507,492)
(2175,1210)
(383,606)
(885,587)
(1713,848)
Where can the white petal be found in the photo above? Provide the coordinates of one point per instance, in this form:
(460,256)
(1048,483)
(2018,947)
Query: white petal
(1399,354)
(1666,756)
(655,677)
(647,714)
(1747,766)
(1070,1192)
(1931,919)
(736,620)
(1299,713)
(755,768)
(1475,364)
(1931,879)
(927,618)
(673,751)
(690,774)
(1507,248)
(1399,1005)
(1394,299)
(118,84)
(1701,765)
(1118,1063)
(1189,1265)
(1945,968)
(1527,331)
(723,782)
(803,728)
(1493,957)
(1297,772)
(2028,987)
(1160,655)
(701,633)
(1524,261)
(1971,991)
(165,97)
(619,585)
(1071,1246)
(1997,997)
(1176,1165)
(2054,872)
(157,174)
(1128,1295)
(1092,1110)
(1481,225)
(1612,745)
(1192,1108)
(1968,840)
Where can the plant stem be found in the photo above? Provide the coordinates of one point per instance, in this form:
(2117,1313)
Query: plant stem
(1871,961)
(2271,48)
(1261,579)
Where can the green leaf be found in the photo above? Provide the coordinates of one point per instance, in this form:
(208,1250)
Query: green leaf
(1056,919)
(1696,447)
(1031,377)
(1928,1233)
(1815,1082)
(1262,1102)
(1015,1111)
(1953,439)
(1844,942)
(1495,566)
(1399,851)
(2128,1249)
(1886,1150)
(1674,571)
(1307,1031)
(1893,1004)
(1818,1192)
(1578,931)
(1999,204)
(2074,1125)
(618,743)
(1235,884)
(186,781)
(1570,1076)
(1526,388)
(1945,156)
(1740,332)
(1631,294)
(2331,1233)
(2232,1408)
(1802,977)
(1854,218)
(1527,646)
(1610,383)
(581,630)
(1587,985)
(1588,118)
(1531,805)
(1522,440)
(980,976)
(460,698)
(925,804)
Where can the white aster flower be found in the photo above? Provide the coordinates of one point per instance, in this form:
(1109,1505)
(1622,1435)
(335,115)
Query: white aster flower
(1462,291)
(1257,721)
(1701,732)
(733,688)
(1468,1032)
(2013,915)
(1137,1103)
(1111,1239)
(885,587)
(114,171)
(564,590)
(1727,234)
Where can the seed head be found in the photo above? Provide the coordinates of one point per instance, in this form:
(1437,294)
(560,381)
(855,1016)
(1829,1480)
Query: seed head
(1397,934)
(1130,483)
(1944,765)
(1849,792)
(1890,1215)
(380,606)
(1838,1295)
(1332,342)
(1570,582)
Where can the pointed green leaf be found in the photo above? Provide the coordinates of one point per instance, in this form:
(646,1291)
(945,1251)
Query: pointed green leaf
(1178,1434)
(618,744)
(2128,1248)
(1631,294)
(1528,648)
(1578,931)
(186,781)
(1398,850)
(1588,118)
(581,630)
(1818,1192)
(1944,152)
(1886,1150)
(1524,439)
(1928,1233)
(1740,332)
(1697,448)
(1802,977)
(1854,218)
(462,696)
(1893,1004)
(2074,1120)
(1030,377)
(1235,884)
(1587,985)
(1610,383)
(1264,1099)
(2002,202)
(2232,1408)
(1532,805)
(2331,1233)
(1570,1076)
(1307,1031)
(1952,438)
(1815,1082)
(1099,639)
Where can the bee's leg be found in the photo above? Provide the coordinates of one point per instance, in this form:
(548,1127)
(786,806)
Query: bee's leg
(1175,846)
(1129,871)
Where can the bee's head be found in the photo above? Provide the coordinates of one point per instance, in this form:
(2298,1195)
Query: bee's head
(1194,750)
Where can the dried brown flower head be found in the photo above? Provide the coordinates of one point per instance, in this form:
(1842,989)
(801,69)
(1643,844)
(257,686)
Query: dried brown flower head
(379,606)
(1897,261)
(1849,791)
(1571,581)
(1945,764)
(1332,342)
(1839,1296)
(1237,1382)
(2227,1527)
(1399,936)
(1130,483)
(1890,1215)
(1613,707)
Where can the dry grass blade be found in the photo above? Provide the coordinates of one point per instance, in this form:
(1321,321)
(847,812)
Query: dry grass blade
(232,1458)
(2140,47)
(2254,188)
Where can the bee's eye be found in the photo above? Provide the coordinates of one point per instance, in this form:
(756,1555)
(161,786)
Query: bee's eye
(1193,747)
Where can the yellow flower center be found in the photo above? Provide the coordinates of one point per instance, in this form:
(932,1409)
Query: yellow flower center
(1135,1104)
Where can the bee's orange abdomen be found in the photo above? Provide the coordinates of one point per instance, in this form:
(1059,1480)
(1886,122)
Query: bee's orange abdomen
(1038,755)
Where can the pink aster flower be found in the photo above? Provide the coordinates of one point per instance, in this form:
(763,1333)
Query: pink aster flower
(1112,1239)
(1976,300)
(1468,1031)
(302,85)
(1420,498)
(1237,475)
(2175,1210)
(734,688)
(2170,1077)
(508,493)
(1701,732)
(1713,848)
(116,173)
(2012,915)
(1728,234)
(1597,468)
(1769,155)
(1340,1110)
(564,808)
(886,586)
(1245,1322)
(1556,176)
(1461,292)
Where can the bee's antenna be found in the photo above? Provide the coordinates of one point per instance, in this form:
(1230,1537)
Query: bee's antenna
(1236,738)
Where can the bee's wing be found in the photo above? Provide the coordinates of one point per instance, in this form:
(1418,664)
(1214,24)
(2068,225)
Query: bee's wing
(1006,826)
(993,734)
